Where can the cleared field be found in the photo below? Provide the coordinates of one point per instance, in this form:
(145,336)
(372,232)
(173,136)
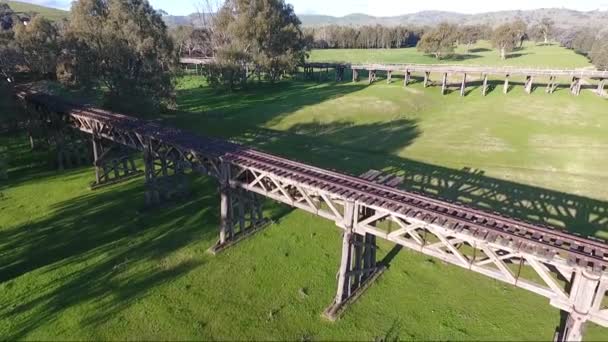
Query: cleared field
(531,55)
(76,264)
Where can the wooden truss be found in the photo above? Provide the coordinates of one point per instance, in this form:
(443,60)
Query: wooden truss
(540,271)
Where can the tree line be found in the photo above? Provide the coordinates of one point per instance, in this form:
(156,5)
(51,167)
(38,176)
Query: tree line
(124,50)
(364,37)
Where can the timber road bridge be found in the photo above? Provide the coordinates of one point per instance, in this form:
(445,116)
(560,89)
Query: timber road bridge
(569,270)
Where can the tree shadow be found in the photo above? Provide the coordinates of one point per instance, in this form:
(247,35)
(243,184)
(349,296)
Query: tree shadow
(517,55)
(342,149)
(461,57)
(109,251)
(478,50)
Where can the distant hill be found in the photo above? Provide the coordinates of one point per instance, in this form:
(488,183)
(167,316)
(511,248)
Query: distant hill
(49,13)
(562,17)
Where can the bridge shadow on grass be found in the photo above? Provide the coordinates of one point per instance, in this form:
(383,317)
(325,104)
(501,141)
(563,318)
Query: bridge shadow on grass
(239,108)
(101,250)
(345,147)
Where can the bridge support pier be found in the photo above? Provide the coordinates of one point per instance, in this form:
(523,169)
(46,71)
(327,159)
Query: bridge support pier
(358,266)
(113,164)
(427,76)
(586,293)
(529,83)
(339,74)
(355,75)
(406,78)
(165,177)
(389,77)
(575,86)
(600,87)
(372,76)
(463,86)
(444,84)
(241,213)
(484,87)
(506,86)
(72,149)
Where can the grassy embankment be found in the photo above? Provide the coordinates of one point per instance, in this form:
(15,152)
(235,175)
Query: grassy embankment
(77,264)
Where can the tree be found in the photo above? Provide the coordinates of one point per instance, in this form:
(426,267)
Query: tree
(265,34)
(124,46)
(469,35)
(506,38)
(6,17)
(599,53)
(520,29)
(546,28)
(39,45)
(439,41)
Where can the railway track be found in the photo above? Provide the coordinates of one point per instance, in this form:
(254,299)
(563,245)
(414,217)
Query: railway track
(545,241)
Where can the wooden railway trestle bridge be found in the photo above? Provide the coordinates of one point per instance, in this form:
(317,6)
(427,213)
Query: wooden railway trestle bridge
(552,77)
(529,74)
(569,270)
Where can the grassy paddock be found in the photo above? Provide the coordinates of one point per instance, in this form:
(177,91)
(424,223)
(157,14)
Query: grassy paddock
(76,264)
(532,55)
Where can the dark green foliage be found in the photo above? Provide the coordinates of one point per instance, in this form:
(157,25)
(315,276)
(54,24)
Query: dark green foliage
(365,37)
(125,47)
(440,41)
(39,45)
(264,35)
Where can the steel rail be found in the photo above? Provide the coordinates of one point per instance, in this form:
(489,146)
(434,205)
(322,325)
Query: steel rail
(586,252)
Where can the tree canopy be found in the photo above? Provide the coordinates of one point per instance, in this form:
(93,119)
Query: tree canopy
(124,45)
(263,34)
(440,41)
(506,38)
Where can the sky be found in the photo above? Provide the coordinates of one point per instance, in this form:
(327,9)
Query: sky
(379,7)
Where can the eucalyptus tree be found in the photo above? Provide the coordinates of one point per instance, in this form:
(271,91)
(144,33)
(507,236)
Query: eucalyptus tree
(263,35)
(440,41)
(124,46)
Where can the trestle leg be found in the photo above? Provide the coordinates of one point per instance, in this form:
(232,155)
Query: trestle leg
(358,266)
(113,164)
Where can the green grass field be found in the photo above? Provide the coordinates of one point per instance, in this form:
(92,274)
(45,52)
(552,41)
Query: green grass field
(532,55)
(47,12)
(76,264)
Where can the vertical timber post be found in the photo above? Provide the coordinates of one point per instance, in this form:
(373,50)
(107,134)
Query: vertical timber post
(444,83)
(406,78)
(463,86)
(529,81)
(389,76)
(225,204)
(358,267)
(600,87)
(96,155)
(355,75)
(484,89)
(426,78)
(506,86)
(583,297)
(550,85)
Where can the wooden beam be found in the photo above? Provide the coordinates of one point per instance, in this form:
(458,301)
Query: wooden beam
(506,86)
(463,86)
(427,76)
(484,89)
(406,78)
(600,87)
(444,83)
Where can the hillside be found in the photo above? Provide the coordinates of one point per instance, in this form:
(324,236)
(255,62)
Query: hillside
(562,17)
(50,13)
